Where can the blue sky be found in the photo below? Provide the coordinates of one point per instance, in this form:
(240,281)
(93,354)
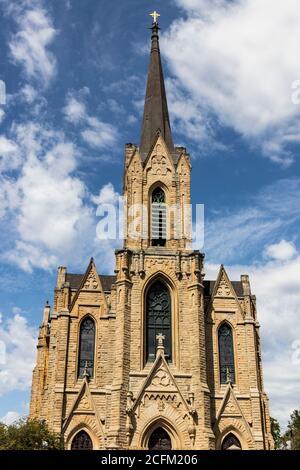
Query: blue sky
(75,76)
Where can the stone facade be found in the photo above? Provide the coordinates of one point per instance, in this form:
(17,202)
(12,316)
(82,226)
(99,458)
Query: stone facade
(128,397)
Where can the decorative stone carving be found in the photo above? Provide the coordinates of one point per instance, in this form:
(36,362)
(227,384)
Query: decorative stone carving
(223,288)
(161,378)
(84,404)
(92,282)
(159,165)
(231,408)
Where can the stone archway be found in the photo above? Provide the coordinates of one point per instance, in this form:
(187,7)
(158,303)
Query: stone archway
(160,433)
(82,441)
(231,442)
(160,440)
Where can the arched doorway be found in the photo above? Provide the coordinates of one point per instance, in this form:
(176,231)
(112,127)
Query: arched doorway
(82,441)
(231,442)
(160,440)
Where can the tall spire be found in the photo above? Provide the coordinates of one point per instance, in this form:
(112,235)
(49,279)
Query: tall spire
(156,115)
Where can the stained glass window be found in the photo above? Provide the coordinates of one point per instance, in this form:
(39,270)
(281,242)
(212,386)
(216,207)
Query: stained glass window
(86,347)
(226,354)
(160,440)
(231,441)
(158,318)
(158,218)
(82,441)
(158,195)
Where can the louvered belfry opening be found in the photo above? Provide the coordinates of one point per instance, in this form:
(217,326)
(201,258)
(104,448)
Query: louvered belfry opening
(158,218)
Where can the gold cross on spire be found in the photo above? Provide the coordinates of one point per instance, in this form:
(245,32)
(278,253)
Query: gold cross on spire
(155,16)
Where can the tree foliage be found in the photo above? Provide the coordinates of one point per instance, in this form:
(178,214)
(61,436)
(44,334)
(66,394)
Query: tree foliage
(29,434)
(293,430)
(276,433)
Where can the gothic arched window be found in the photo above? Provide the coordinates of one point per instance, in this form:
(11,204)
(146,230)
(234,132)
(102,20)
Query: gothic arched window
(226,354)
(82,441)
(158,217)
(158,319)
(231,442)
(86,347)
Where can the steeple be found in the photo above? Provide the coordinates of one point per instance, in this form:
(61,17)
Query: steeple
(156,115)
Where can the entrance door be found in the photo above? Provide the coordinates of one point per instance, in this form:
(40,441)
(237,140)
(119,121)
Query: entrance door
(160,440)
(82,441)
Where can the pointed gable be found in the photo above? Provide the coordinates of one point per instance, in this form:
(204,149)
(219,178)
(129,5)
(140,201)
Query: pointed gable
(160,383)
(159,162)
(183,165)
(230,414)
(90,283)
(229,405)
(223,286)
(83,405)
(223,295)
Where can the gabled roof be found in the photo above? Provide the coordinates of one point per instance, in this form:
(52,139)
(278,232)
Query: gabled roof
(223,287)
(75,281)
(107,281)
(209,288)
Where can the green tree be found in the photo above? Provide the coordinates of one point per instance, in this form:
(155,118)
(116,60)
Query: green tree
(276,433)
(29,434)
(293,430)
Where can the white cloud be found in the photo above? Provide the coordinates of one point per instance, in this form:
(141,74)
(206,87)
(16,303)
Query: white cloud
(244,58)
(283,250)
(31,96)
(10,417)
(29,93)
(9,155)
(48,208)
(273,211)
(28,256)
(96,133)
(50,214)
(75,109)
(107,195)
(29,46)
(115,107)
(187,116)
(2,115)
(20,342)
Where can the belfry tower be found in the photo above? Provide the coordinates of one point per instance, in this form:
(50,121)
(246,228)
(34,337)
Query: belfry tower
(153,357)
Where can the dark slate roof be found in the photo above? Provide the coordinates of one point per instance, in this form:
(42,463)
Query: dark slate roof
(107,281)
(75,281)
(156,114)
(209,287)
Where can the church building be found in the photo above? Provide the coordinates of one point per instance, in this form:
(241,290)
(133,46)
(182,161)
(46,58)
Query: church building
(154,356)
